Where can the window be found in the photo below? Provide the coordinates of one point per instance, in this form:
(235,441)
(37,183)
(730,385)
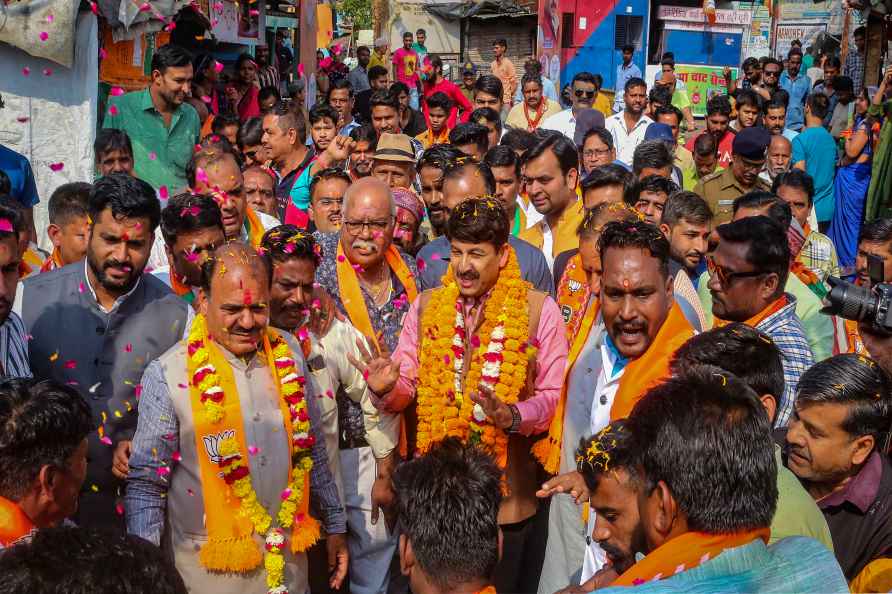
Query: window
(629,29)
(567,21)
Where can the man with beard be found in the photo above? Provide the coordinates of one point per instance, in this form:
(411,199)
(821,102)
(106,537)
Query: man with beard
(431,166)
(752,75)
(13,337)
(777,159)
(365,141)
(622,346)
(267,74)
(535,107)
(327,197)
(295,256)
(463,180)
(115,319)
(748,273)
(686,222)
(775,118)
(192,227)
(359,76)
(501,408)
(721,188)
(629,126)
(162,127)
(718,118)
(340,97)
(409,213)
(817,252)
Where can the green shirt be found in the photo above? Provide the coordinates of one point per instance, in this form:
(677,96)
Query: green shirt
(797,513)
(681,99)
(160,154)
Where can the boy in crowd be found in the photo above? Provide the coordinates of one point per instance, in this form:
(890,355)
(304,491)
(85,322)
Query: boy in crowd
(69,225)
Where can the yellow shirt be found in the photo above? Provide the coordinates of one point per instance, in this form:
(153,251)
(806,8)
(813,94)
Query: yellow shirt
(376,60)
(563,233)
(517,119)
(603,104)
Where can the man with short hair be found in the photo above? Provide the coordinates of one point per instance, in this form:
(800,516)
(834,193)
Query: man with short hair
(710,534)
(533,67)
(625,71)
(43,450)
(267,73)
(550,176)
(815,152)
(718,117)
(250,142)
(284,140)
(503,69)
(798,85)
(224,416)
(69,224)
(162,125)
(491,120)
(748,157)
(192,227)
(836,445)
(535,107)
(596,150)
(775,119)
(484,266)
(629,126)
(340,97)
(431,167)
(749,108)
(116,319)
(840,109)
(630,328)
(653,157)
(406,67)
(113,152)
(394,160)
(359,76)
(13,336)
(778,159)
(817,253)
(468,80)
(488,92)
(385,112)
(460,181)
(377,79)
(365,143)
(583,90)
(448,504)
(747,275)
(505,166)
(705,153)
(472,139)
(294,254)
(438,107)
(327,197)
(752,75)
(606,184)
(436,82)
(686,221)
(323,126)
(260,190)
(856,60)
(649,195)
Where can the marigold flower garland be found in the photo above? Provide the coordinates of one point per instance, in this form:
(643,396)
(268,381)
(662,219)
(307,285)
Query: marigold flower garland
(234,466)
(499,364)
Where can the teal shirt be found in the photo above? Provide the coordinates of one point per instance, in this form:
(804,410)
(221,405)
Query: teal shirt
(817,148)
(818,327)
(172,147)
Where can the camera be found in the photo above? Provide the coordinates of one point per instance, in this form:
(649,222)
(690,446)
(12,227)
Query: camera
(872,304)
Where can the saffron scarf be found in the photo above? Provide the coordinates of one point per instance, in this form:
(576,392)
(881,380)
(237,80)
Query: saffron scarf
(685,552)
(230,545)
(14,524)
(532,124)
(548,449)
(254,227)
(757,319)
(351,294)
(853,338)
(181,289)
(428,139)
(53,262)
(572,295)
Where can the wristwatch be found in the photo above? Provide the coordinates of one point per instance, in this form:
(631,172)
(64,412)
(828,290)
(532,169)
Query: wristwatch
(515,420)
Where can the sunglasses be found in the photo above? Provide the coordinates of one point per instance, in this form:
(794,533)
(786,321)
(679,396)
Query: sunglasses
(580,93)
(725,276)
(771,72)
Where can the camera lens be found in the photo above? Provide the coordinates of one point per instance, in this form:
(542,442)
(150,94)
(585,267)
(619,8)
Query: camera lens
(851,301)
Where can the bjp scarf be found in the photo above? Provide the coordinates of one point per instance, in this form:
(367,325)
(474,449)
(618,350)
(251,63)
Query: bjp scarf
(230,545)
(757,319)
(548,449)
(533,123)
(796,238)
(30,262)
(685,552)
(254,227)
(572,295)
(53,262)
(14,524)
(180,288)
(853,338)
(351,294)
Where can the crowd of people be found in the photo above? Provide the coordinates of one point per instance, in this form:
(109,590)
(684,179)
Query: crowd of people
(437,337)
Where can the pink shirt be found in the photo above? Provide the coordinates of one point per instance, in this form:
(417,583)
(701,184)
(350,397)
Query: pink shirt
(551,358)
(405,66)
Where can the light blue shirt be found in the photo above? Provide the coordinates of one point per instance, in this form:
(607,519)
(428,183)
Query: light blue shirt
(794,564)
(623,74)
(817,148)
(798,90)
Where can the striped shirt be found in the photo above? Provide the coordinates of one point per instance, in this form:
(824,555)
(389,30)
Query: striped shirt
(14,348)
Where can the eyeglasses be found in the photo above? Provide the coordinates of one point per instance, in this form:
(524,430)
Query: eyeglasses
(356,227)
(771,73)
(724,275)
(580,93)
(588,154)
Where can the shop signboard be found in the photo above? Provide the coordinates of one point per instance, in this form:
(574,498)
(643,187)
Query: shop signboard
(785,33)
(702,83)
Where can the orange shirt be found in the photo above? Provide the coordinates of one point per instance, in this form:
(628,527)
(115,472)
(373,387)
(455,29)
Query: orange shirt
(505,72)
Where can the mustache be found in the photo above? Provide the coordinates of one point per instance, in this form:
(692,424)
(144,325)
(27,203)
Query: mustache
(362,244)
(618,557)
(116,264)
(469,274)
(629,327)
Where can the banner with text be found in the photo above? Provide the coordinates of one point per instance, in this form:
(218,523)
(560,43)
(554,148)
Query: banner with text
(702,83)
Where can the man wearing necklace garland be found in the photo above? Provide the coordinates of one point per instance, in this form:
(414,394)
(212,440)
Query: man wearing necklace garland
(372,284)
(535,108)
(483,356)
(225,454)
(295,256)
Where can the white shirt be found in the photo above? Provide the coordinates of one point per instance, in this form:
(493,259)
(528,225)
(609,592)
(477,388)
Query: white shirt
(118,301)
(624,141)
(563,122)
(533,216)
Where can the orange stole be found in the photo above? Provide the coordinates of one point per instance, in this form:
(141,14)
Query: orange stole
(548,450)
(351,294)
(853,338)
(754,321)
(572,295)
(14,524)
(685,552)
(646,371)
(255,227)
(53,262)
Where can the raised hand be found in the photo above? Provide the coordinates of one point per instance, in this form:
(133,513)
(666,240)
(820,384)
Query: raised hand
(380,371)
(570,482)
(498,412)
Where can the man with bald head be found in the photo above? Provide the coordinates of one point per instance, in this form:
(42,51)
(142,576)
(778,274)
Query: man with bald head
(463,180)
(212,406)
(372,284)
(777,160)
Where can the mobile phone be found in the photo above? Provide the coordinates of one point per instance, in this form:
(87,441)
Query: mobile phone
(875,268)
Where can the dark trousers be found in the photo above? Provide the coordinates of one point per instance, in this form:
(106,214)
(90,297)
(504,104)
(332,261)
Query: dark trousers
(523,553)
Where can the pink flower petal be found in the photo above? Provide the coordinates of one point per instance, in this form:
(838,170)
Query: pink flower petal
(176,457)
(106,440)
(49,18)
(116,91)
(102,53)
(300,70)
(153,155)
(253,450)
(57,166)
(113,110)
(44,35)
(22,119)
(95,9)
(47,71)
(119,509)
(81,288)
(253,12)
(201,176)
(128,348)
(218,66)
(162,193)
(145,7)
(26,71)
(206,99)
(70,364)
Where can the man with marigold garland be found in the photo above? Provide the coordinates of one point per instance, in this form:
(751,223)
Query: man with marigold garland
(484,358)
(225,455)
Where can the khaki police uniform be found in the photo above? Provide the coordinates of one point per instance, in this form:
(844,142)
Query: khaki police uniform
(720,189)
